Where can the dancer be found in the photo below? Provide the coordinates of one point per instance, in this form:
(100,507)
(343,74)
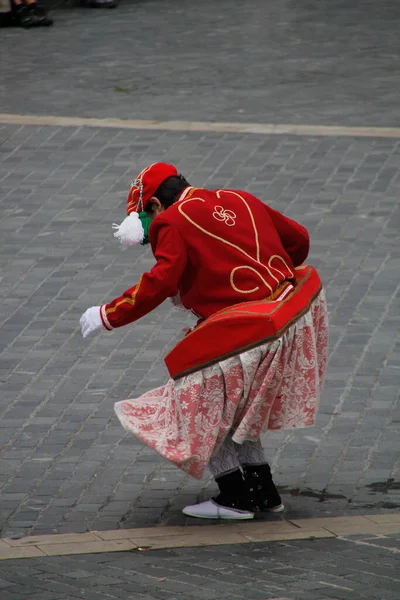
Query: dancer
(255,359)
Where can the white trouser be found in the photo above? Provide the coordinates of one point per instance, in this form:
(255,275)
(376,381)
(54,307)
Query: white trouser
(231,456)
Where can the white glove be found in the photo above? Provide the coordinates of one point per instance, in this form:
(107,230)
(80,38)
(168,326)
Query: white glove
(90,321)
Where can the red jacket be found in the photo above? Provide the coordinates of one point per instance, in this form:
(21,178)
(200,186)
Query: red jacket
(216,248)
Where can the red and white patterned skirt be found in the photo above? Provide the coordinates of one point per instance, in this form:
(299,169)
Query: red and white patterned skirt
(274,386)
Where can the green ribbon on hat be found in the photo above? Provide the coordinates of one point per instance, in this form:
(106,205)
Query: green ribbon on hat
(146,222)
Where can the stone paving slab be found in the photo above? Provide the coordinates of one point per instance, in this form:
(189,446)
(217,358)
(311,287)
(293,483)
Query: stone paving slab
(325,62)
(156,538)
(364,567)
(65,463)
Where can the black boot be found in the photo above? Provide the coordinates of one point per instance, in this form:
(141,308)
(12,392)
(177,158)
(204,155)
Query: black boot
(100,3)
(234,492)
(27,16)
(264,494)
(39,9)
(234,502)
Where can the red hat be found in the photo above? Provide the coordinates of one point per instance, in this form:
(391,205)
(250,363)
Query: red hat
(146,184)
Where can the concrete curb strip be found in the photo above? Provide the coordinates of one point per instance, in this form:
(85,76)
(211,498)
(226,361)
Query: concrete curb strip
(255,128)
(153,538)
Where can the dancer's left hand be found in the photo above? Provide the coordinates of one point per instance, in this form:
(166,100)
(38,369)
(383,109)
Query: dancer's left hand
(91,321)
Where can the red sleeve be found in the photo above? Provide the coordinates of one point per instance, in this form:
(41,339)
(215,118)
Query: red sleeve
(294,237)
(153,287)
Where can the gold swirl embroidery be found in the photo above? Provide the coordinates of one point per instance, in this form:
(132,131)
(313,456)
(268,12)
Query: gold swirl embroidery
(276,269)
(250,215)
(227,216)
(254,289)
(269,267)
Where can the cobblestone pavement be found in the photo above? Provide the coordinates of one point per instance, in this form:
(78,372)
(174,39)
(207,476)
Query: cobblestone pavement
(356,568)
(323,61)
(65,463)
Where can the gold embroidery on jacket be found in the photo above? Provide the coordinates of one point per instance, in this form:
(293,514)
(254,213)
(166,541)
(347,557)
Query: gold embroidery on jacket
(190,193)
(131,301)
(254,289)
(226,216)
(250,214)
(270,268)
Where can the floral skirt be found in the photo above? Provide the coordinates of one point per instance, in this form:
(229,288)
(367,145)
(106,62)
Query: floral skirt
(273,386)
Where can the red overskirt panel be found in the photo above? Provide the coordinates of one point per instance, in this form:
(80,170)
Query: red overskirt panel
(243,326)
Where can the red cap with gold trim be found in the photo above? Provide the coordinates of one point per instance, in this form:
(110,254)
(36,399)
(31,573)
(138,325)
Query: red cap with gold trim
(146,184)
(134,228)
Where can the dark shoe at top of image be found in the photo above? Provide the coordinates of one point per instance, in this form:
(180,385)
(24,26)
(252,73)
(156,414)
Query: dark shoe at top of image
(99,3)
(31,15)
